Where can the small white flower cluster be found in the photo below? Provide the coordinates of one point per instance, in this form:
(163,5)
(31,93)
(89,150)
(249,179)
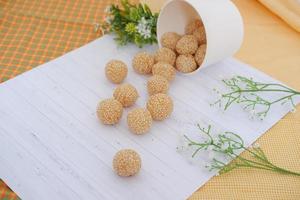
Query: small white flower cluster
(143,28)
(108,19)
(107,9)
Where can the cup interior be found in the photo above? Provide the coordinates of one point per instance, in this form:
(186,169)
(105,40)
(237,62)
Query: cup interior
(174,17)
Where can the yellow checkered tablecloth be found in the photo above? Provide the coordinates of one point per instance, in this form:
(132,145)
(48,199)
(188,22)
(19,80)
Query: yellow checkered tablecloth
(36,31)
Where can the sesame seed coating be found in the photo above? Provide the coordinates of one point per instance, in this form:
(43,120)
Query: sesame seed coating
(186,63)
(116,71)
(200,54)
(192,26)
(188,44)
(199,33)
(139,121)
(142,63)
(165,55)
(164,69)
(157,84)
(160,106)
(109,111)
(169,40)
(126,94)
(127,162)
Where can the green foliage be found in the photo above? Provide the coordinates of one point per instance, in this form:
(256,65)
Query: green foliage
(131,24)
(250,94)
(230,145)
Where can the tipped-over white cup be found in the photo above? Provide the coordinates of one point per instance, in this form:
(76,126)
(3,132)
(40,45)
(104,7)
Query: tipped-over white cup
(221,19)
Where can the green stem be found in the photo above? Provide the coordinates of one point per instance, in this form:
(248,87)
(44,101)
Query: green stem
(264,90)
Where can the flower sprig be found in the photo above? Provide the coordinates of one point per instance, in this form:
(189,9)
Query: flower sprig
(131,23)
(250,93)
(230,145)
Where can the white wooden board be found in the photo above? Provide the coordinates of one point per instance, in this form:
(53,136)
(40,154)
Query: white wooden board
(53,146)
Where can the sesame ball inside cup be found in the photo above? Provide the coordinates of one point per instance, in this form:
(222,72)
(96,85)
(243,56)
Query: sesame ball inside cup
(109,111)
(200,34)
(169,40)
(126,94)
(188,44)
(160,106)
(192,26)
(186,63)
(127,162)
(142,63)
(200,54)
(165,55)
(157,84)
(164,69)
(116,71)
(139,121)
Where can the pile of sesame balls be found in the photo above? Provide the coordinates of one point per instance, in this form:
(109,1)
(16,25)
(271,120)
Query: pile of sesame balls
(184,53)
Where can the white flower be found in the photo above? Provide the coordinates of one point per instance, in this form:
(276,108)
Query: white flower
(293,110)
(108,19)
(255,145)
(143,28)
(107,9)
(253,112)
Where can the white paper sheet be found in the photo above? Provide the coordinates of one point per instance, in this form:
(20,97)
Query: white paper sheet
(53,146)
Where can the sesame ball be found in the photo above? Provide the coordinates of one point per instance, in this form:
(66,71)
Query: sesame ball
(127,162)
(160,106)
(186,63)
(109,111)
(157,84)
(164,69)
(169,40)
(199,33)
(126,94)
(142,63)
(165,55)
(192,26)
(139,121)
(116,71)
(188,44)
(200,54)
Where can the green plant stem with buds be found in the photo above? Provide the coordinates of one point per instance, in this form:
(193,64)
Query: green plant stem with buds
(230,145)
(248,92)
(131,23)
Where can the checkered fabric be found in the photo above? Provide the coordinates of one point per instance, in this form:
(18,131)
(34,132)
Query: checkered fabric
(33,32)
(6,193)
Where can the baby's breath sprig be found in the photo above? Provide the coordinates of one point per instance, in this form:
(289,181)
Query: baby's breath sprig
(131,23)
(250,93)
(230,145)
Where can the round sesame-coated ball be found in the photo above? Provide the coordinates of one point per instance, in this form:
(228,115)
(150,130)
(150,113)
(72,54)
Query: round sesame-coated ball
(139,121)
(109,111)
(164,69)
(186,63)
(192,26)
(200,34)
(157,84)
(169,40)
(160,106)
(188,44)
(116,71)
(127,162)
(200,54)
(142,63)
(126,94)
(165,55)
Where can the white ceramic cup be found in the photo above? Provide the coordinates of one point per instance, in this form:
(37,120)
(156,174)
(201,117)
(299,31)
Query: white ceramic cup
(222,22)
